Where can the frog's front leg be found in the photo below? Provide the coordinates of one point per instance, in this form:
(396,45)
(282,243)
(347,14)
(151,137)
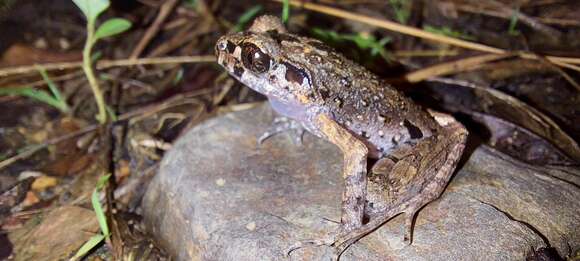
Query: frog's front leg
(354,173)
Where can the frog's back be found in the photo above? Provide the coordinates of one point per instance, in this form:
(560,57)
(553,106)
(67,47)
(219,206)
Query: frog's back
(371,109)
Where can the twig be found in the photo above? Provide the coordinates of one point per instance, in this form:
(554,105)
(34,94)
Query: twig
(109,63)
(566,76)
(164,11)
(425,53)
(424,34)
(466,64)
(508,12)
(494,13)
(523,115)
(45,144)
(171,102)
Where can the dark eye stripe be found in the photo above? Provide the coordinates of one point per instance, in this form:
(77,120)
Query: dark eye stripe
(231,47)
(294,74)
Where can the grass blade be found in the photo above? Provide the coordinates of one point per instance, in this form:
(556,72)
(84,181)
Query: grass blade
(285,11)
(54,90)
(246,17)
(97,205)
(87,246)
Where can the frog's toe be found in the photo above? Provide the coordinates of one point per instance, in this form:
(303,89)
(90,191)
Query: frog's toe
(280,125)
(327,241)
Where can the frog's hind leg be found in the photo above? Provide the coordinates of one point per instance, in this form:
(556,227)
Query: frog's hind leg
(283,124)
(416,179)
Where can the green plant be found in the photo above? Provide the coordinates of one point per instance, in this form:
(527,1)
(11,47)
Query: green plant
(285,11)
(513,22)
(402,9)
(92,9)
(446,31)
(190,3)
(362,41)
(54,98)
(101,218)
(247,17)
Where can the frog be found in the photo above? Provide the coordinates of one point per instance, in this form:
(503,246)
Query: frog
(397,156)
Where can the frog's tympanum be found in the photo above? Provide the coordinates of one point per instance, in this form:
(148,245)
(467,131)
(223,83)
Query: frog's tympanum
(413,152)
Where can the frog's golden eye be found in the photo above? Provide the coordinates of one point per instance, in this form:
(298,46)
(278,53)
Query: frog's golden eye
(254,59)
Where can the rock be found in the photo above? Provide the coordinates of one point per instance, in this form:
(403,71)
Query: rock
(219,197)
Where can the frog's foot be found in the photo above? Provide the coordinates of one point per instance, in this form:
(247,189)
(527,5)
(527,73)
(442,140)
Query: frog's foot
(283,124)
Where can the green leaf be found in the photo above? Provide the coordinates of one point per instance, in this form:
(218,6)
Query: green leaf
(362,41)
(446,31)
(87,246)
(327,35)
(54,90)
(285,11)
(246,17)
(401,9)
(97,205)
(39,95)
(513,22)
(178,77)
(191,3)
(111,113)
(92,8)
(103,181)
(112,27)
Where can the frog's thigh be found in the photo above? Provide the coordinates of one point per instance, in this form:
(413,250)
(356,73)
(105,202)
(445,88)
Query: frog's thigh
(400,163)
(418,175)
(354,171)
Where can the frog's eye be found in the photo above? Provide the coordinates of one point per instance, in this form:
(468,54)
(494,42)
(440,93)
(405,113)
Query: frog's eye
(254,59)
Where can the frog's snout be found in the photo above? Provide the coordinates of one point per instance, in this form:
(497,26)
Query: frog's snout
(224,50)
(220,48)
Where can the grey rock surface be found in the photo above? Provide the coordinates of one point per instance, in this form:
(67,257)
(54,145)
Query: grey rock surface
(218,196)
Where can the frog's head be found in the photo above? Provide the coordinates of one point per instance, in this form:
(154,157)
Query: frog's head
(256,58)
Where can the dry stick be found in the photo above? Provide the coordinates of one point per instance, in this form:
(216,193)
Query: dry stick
(38,147)
(164,11)
(508,11)
(466,64)
(493,13)
(425,53)
(109,63)
(566,76)
(421,33)
(171,102)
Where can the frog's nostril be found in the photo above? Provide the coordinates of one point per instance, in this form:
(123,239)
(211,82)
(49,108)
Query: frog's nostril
(222,46)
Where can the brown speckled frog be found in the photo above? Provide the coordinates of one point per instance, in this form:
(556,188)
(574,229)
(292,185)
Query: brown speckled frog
(414,151)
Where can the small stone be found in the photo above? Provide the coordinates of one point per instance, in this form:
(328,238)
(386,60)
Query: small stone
(251,226)
(63,43)
(44,182)
(40,43)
